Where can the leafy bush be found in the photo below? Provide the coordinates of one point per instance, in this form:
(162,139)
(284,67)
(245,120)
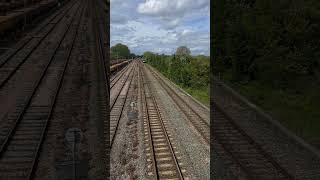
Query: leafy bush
(189,72)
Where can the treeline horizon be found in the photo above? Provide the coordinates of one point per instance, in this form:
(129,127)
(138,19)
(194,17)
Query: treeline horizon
(122,51)
(189,72)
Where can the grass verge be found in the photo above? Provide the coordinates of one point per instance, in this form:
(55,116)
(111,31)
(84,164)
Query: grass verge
(201,95)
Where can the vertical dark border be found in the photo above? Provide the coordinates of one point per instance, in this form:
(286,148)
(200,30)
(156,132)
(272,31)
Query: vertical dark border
(216,35)
(212,4)
(107,65)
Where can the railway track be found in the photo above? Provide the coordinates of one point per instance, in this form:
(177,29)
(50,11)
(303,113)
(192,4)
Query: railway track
(13,20)
(115,76)
(161,153)
(117,67)
(116,88)
(102,38)
(12,60)
(202,110)
(24,133)
(247,154)
(22,66)
(117,104)
(202,126)
(118,76)
(244,151)
(103,44)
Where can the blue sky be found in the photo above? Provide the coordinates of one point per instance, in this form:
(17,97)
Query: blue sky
(161,25)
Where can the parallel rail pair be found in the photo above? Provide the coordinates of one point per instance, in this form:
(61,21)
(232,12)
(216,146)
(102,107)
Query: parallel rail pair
(26,128)
(236,143)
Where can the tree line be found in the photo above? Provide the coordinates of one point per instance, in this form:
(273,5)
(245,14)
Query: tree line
(189,72)
(182,68)
(121,51)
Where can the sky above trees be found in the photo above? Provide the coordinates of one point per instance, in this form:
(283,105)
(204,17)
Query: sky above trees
(161,25)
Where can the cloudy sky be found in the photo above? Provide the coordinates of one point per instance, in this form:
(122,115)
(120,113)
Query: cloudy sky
(161,25)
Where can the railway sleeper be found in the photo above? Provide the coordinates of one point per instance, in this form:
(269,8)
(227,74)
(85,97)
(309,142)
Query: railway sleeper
(16,160)
(33,137)
(29,129)
(19,142)
(19,154)
(20,148)
(13,175)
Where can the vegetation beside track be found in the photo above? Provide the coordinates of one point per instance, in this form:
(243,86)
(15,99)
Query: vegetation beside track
(121,51)
(268,51)
(191,73)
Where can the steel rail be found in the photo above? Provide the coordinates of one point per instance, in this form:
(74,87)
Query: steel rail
(146,85)
(44,132)
(173,96)
(4,58)
(142,94)
(118,77)
(120,114)
(12,72)
(29,99)
(126,78)
(249,139)
(246,136)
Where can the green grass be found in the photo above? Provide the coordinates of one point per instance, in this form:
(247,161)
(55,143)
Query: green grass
(297,109)
(201,95)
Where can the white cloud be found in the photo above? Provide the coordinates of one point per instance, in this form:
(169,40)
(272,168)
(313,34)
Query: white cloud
(186,32)
(161,25)
(172,13)
(170,7)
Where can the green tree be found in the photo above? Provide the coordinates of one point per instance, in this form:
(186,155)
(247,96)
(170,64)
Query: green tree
(132,55)
(183,50)
(120,51)
(190,72)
